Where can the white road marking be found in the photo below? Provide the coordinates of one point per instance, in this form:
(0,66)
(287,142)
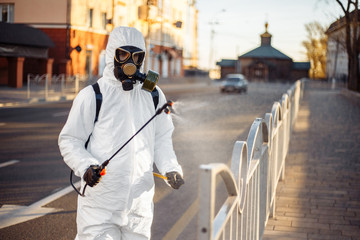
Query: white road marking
(11,162)
(12,214)
(60,114)
(182,222)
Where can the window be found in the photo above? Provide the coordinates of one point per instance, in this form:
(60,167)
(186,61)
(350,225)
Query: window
(104,20)
(90,14)
(259,73)
(120,21)
(152,2)
(7,13)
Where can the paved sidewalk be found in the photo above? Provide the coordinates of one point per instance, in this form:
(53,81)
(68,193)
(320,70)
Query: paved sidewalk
(320,197)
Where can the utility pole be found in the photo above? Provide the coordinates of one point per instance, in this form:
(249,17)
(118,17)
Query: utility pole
(147,40)
(211,52)
(212,23)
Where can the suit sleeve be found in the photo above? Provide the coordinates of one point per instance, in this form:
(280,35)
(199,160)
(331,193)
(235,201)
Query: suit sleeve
(165,158)
(76,131)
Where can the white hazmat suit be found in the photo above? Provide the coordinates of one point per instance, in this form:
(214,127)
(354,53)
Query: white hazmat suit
(120,206)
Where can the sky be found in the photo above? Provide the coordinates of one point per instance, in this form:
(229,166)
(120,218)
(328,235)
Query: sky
(240,23)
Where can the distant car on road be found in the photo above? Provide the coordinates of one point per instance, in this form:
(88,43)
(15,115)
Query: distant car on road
(234,83)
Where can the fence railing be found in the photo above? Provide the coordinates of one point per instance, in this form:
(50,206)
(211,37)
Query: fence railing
(46,86)
(257,165)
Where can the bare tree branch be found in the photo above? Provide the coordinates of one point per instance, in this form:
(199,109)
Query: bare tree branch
(348,6)
(341,5)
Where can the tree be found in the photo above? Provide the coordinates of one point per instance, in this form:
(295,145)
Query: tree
(316,49)
(352,41)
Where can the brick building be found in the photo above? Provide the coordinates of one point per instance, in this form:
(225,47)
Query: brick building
(23,49)
(79,30)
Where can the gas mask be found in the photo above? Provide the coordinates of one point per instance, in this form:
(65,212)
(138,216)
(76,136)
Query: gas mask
(127,63)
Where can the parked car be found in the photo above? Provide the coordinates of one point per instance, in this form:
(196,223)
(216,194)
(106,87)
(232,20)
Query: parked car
(234,83)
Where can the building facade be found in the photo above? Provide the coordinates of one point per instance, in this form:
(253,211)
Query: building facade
(22,49)
(80,30)
(228,66)
(336,54)
(265,63)
(170,29)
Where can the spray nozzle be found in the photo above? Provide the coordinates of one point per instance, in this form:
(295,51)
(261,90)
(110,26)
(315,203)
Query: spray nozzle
(166,108)
(169,108)
(170,103)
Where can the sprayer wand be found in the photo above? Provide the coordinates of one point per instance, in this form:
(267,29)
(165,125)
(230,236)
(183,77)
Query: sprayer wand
(102,170)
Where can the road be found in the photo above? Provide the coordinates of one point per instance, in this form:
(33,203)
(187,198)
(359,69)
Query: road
(207,125)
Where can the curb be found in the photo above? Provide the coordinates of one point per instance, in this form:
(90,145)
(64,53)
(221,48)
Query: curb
(350,92)
(38,100)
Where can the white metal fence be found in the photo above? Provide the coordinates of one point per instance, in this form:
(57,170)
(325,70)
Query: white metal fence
(47,86)
(257,165)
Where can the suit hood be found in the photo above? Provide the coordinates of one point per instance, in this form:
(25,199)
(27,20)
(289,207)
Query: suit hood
(121,36)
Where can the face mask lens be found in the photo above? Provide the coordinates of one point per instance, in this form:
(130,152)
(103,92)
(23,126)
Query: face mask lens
(138,57)
(122,55)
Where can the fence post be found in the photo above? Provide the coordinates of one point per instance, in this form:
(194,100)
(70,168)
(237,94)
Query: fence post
(62,84)
(28,86)
(77,83)
(46,86)
(207,202)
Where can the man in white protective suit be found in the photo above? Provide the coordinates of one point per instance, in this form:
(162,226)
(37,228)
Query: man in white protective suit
(119,204)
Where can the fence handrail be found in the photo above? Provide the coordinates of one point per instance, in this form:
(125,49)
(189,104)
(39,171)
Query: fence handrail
(256,138)
(256,167)
(239,167)
(49,86)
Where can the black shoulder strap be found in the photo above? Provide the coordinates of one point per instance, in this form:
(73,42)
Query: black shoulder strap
(98,98)
(155,96)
